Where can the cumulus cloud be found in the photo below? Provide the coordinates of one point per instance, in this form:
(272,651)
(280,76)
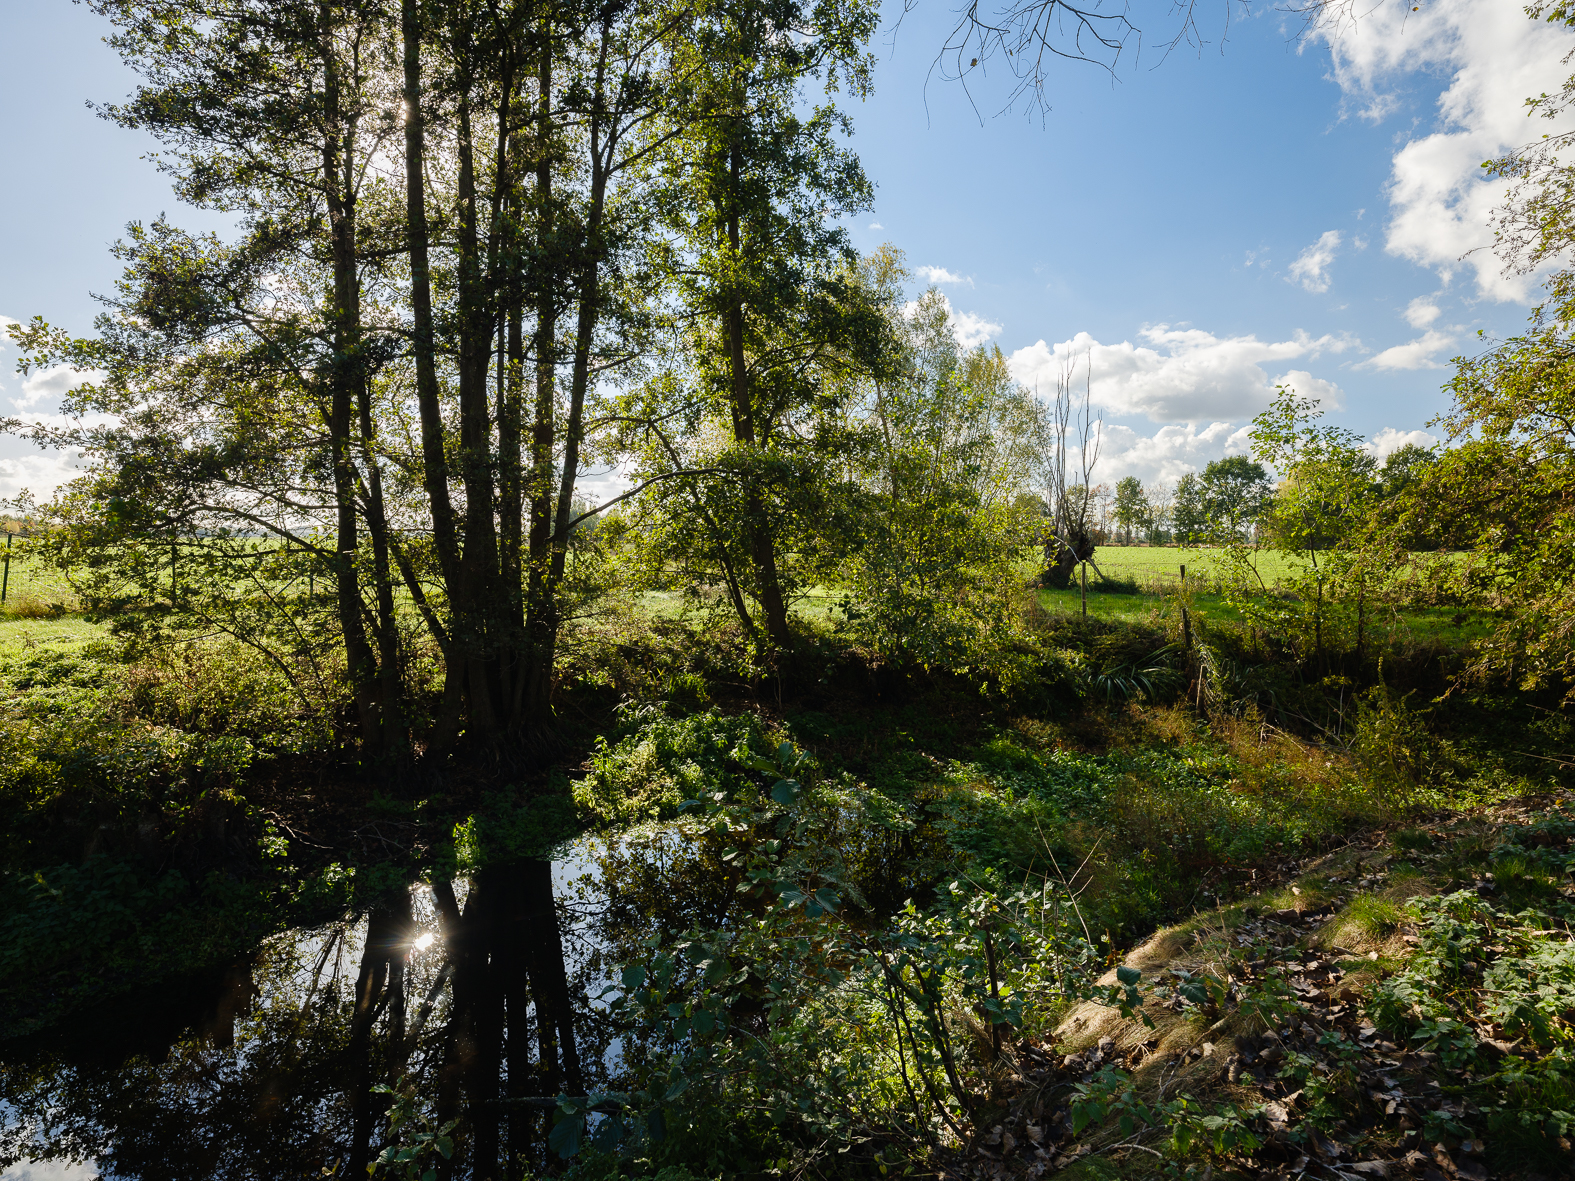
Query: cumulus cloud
(1169,453)
(1389,440)
(1415,354)
(1440,204)
(1188,375)
(1421,312)
(968,328)
(942,275)
(1311,267)
(49,383)
(40,473)
(875,225)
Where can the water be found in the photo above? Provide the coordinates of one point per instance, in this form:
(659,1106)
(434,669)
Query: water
(261,1067)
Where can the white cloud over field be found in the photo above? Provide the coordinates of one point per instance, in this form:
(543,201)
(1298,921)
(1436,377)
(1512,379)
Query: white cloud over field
(1182,375)
(40,472)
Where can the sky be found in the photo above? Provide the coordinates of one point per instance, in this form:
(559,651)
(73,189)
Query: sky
(1190,229)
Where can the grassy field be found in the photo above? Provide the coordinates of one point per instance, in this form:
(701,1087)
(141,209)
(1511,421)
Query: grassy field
(19,636)
(32,587)
(1163,563)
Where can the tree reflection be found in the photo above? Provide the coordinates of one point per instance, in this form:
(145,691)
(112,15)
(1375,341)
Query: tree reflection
(271,1066)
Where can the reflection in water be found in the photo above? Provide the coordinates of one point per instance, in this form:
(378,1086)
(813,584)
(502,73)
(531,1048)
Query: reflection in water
(469,1004)
(51,1171)
(467,998)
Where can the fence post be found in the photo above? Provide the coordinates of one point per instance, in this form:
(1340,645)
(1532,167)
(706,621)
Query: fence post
(1084,568)
(5,581)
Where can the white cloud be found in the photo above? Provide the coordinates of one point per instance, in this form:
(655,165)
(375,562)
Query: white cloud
(41,473)
(1495,58)
(1389,440)
(49,383)
(1416,354)
(875,225)
(1168,454)
(1311,268)
(942,275)
(968,328)
(1188,376)
(1421,312)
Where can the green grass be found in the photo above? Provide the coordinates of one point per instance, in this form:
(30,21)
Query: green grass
(20,636)
(32,583)
(1163,563)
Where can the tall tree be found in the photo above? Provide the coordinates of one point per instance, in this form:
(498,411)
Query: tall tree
(1132,507)
(769,322)
(1235,492)
(360,361)
(1189,513)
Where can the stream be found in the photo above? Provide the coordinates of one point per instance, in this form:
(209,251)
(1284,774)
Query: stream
(482,995)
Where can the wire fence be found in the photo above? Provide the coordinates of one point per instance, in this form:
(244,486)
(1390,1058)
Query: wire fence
(29,587)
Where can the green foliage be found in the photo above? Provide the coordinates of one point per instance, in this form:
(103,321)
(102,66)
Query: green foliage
(1476,964)
(1190,514)
(1234,492)
(933,582)
(415,1146)
(1132,509)
(810,1025)
(1394,744)
(1193,1128)
(1504,490)
(649,773)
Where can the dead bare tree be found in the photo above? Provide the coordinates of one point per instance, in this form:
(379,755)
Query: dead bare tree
(1068,438)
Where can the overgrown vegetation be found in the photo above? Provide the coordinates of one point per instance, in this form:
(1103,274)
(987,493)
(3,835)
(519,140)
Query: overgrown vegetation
(881,847)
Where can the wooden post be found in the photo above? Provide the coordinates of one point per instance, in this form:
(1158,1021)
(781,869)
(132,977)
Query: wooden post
(5,582)
(1084,568)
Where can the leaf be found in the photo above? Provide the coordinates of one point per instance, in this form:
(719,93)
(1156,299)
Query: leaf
(827,900)
(657,1122)
(704,1021)
(634,976)
(1128,975)
(785,791)
(564,1139)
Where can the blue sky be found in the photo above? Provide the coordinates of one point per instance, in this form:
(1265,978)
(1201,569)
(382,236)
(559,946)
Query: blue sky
(1194,228)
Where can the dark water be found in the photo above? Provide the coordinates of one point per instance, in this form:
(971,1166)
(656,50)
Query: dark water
(476,1000)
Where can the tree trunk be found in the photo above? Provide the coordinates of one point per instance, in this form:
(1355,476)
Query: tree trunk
(382,969)
(541,631)
(762,545)
(434,461)
(345,377)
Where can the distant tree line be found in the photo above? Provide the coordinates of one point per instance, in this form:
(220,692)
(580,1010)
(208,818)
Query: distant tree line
(1230,500)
